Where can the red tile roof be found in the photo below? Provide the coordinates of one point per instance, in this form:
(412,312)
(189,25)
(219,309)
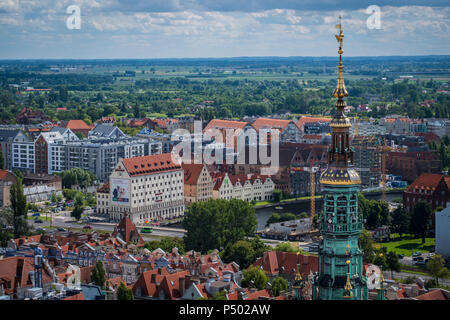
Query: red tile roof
(277,262)
(127,230)
(78,296)
(225,124)
(271,123)
(191,173)
(428,181)
(301,122)
(436,294)
(150,164)
(77,125)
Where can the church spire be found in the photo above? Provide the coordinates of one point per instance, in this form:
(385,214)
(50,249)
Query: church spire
(340,92)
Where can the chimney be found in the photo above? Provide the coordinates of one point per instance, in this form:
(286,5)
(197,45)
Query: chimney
(182,285)
(153,278)
(159,270)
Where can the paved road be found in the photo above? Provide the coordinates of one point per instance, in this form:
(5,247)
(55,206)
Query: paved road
(64,220)
(404,275)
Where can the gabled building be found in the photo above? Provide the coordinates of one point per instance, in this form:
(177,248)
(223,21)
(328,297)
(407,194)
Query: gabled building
(289,132)
(198,184)
(128,232)
(428,187)
(106,131)
(251,187)
(78,126)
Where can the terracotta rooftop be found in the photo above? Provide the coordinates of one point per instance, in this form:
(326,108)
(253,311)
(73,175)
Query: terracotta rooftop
(191,173)
(224,124)
(280,124)
(77,125)
(436,294)
(428,181)
(301,122)
(150,164)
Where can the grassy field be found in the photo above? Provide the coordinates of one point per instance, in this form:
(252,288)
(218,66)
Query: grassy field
(407,245)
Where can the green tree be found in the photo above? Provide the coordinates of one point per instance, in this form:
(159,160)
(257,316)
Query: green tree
(166,244)
(392,262)
(274,218)
(278,284)
(256,276)
(242,253)
(19,209)
(381,258)
(277,195)
(436,266)
(78,207)
(98,275)
(420,219)
(285,247)
(214,224)
(221,295)
(123,293)
(365,242)
(400,221)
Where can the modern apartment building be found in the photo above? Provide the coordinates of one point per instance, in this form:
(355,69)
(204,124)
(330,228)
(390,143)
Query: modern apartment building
(98,155)
(147,188)
(23,153)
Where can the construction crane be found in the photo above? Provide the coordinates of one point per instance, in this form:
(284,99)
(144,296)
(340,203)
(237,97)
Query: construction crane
(356,126)
(383,149)
(312,187)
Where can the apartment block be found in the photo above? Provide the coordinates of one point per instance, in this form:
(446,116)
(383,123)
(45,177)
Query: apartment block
(147,188)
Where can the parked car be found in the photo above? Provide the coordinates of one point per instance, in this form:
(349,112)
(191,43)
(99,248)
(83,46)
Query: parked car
(38,221)
(416,254)
(401,256)
(420,259)
(420,263)
(61,229)
(87,227)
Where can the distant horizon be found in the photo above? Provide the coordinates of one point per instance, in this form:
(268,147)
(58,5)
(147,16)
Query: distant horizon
(205,29)
(224,57)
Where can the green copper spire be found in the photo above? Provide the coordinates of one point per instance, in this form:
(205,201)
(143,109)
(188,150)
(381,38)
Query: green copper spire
(340,258)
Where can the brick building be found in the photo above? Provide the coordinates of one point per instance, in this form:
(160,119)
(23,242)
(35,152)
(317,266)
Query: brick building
(431,188)
(198,184)
(410,165)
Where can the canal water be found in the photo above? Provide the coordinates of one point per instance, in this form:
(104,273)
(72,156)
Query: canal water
(263,214)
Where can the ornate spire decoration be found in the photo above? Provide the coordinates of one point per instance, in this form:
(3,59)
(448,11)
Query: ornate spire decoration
(298,275)
(348,289)
(340,91)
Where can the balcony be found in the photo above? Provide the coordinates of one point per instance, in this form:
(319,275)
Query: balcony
(340,228)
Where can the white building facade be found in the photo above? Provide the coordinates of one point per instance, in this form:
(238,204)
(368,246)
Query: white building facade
(149,188)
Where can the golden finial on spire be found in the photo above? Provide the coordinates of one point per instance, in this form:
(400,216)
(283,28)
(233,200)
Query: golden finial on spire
(298,275)
(340,91)
(348,289)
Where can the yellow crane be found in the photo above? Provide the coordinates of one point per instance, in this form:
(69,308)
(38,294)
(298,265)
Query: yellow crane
(312,187)
(383,149)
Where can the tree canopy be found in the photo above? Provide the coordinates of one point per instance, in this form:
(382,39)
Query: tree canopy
(214,224)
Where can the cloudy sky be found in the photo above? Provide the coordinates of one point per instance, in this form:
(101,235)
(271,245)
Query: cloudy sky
(220,28)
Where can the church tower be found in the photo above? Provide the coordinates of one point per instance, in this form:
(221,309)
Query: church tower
(340,275)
